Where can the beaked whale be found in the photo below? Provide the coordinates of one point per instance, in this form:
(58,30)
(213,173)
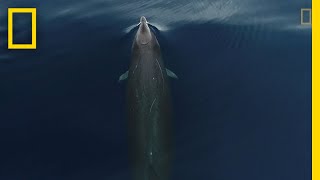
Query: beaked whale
(149,108)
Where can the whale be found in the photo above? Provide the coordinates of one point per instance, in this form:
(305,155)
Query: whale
(149,108)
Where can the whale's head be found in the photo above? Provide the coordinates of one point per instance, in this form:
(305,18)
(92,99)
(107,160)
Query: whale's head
(143,19)
(144,35)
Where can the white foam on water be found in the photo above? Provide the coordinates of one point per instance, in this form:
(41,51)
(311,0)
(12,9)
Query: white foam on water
(128,29)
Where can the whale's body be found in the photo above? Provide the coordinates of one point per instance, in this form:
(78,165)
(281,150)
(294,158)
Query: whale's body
(149,109)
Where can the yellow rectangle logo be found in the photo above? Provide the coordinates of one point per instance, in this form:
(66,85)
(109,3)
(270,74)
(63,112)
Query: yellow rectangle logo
(33,12)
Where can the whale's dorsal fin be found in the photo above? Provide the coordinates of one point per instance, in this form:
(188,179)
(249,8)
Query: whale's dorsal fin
(124,76)
(171,74)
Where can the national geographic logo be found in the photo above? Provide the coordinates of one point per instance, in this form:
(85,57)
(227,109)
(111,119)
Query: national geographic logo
(33,12)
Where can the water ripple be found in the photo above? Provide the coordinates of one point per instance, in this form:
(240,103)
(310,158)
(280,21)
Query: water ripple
(272,13)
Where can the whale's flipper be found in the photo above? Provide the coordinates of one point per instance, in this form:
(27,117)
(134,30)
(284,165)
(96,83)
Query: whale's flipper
(171,74)
(124,76)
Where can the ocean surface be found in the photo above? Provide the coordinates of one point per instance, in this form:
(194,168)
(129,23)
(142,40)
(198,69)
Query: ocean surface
(242,102)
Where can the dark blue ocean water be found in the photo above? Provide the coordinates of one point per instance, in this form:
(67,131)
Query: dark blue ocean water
(242,102)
